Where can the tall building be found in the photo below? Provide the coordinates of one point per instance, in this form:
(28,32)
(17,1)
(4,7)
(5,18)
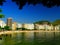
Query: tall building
(9,22)
(14,26)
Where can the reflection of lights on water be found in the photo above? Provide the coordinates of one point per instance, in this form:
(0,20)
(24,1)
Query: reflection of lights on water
(1,41)
(29,35)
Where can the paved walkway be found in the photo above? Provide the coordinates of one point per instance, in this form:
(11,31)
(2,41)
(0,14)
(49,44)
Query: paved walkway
(10,32)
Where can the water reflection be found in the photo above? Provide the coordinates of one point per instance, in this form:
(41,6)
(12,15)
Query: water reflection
(31,38)
(49,35)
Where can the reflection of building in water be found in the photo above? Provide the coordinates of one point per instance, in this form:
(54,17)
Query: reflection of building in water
(39,35)
(29,35)
(17,36)
(13,35)
(57,35)
(1,40)
(49,35)
(8,40)
(46,35)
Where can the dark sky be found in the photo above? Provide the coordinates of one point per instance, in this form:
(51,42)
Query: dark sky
(29,13)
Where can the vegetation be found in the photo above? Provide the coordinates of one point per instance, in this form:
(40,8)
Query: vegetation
(47,3)
(18,28)
(0,28)
(1,2)
(0,10)
(1,15)
(42,22)
(56,22)
(24,29)
(7,28)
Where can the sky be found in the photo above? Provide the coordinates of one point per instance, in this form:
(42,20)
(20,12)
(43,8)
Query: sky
(29,13)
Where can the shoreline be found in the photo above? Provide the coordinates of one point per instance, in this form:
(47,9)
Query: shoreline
(11,32)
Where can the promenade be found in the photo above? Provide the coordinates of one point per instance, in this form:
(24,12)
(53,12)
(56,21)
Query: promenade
(10,32)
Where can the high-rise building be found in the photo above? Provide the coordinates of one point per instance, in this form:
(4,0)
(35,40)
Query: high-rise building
(9,22)
(14,26)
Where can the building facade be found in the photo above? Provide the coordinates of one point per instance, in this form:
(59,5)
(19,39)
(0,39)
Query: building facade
(57,27)
(19,25)
(29,26)
(43,27)
(9,22)
(14,26)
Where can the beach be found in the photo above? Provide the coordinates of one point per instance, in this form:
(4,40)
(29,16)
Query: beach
(10,32)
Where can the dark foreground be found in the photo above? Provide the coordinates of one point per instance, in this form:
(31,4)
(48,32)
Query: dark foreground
(31,38)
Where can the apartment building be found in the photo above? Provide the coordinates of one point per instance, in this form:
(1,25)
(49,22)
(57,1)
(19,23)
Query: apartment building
(29,26)
(14,26)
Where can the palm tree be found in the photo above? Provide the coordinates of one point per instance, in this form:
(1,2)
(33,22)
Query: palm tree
(0,10)
(1,15)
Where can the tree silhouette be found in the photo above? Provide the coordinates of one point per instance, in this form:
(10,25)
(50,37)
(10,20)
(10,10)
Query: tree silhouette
(56,22)
(42,22)
(0,10)
(7,28)
(1,2)
(1,15)
(47,3)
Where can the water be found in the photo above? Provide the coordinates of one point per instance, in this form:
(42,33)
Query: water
(31,38)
